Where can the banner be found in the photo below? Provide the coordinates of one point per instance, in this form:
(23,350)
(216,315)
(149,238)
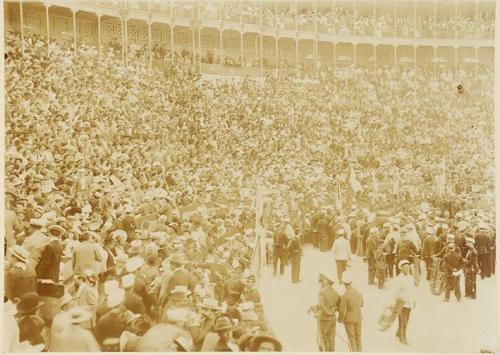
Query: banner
(441,180)
(338,197)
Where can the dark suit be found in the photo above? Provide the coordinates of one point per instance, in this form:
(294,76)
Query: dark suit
(329,303)
(483,247)
(371,248)
(110,261)
(109,325)
(428,247)
(49,265)
(19,281)
(295,252)
(134,303)
(350,314)
(279,252)
(452,262)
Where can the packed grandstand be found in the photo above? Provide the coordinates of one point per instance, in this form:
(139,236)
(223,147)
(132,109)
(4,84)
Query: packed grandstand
(154,161)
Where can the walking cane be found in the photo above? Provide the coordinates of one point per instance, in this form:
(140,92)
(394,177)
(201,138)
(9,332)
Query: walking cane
(319,337)
(343,339)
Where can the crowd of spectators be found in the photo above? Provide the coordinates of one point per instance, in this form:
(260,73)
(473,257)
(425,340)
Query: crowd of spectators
(135,189)
(350,21)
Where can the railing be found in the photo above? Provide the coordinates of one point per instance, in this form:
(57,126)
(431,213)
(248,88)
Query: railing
(345,23)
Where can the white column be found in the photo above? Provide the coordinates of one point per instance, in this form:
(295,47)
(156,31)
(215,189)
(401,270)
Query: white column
(395,17)
(194,47)
(172,42)
(261,58)
(123,39)
(277,55)
(21,18)
(242,52)
(374,62)
(395,49)
(47,20)
(456,61)
(415,57)
(315,55)
(435,19)
(297,52)
(199,47)
(334,55)
(99,44)
(355,57)
(456,16)
(73,12)
(125,47)
(476,52)
(415,18)
(150,50)
(221,42)
(434,50)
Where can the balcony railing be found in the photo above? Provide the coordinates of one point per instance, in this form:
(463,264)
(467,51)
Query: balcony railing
(444,26)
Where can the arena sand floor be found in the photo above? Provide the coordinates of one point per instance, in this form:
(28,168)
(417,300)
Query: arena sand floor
(435,326)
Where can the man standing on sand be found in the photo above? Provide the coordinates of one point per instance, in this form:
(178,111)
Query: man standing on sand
(350,313)
(404,290)
(342,253)
(328,305)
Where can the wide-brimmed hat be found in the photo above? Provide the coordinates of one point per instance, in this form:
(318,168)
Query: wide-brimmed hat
(61,231)
(210,303)
(347,278)
(119,233)
(223,323)
(324,277)
(265,337)
(134,263)
(177,259)
(246,306)
(115,297)
(180,289)
(403,263)
(129,316)
(78,315)
(128,281)
(20,253)
(29,303)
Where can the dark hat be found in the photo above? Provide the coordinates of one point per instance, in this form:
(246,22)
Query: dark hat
(265,337)
(324,277)
(223,323)
(29,303)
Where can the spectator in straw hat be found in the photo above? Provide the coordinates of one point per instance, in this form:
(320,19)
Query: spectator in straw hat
(12,222)
(50,260)
(75,337)
(21,277)
(37,241)
(61,319)
(220,338)
(265,342)
(110,324)
(471,268)
(133,301)
(87,295)
(86,255)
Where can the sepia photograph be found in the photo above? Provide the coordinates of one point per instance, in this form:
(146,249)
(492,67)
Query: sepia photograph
(249,176)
